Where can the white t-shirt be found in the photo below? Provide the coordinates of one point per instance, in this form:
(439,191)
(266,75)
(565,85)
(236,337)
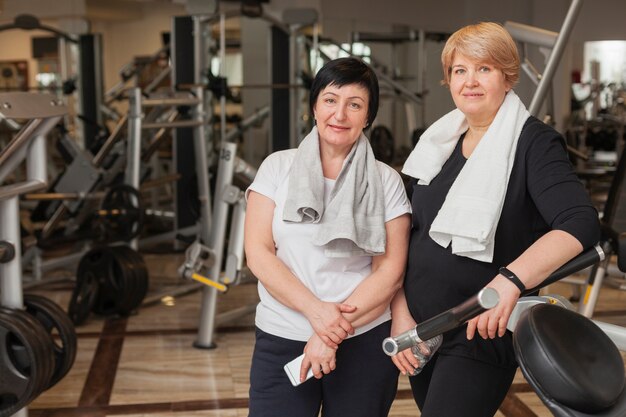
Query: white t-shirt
(330,279)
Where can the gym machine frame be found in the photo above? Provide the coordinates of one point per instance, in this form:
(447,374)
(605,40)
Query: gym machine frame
(225,195)
(556,42)
(485,300)
(43,111)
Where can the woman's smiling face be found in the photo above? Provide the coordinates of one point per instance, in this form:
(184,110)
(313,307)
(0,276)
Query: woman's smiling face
(341,113)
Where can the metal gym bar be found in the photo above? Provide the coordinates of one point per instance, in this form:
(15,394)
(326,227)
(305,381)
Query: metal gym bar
(43,111)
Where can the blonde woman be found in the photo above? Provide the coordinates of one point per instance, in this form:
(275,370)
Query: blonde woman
(496,204)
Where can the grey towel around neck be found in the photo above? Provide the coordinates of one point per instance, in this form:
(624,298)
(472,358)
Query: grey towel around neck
(353,222)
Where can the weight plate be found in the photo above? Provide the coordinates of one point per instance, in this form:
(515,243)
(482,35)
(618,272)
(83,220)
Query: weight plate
(56,323)
(83,297)
(124,267)
(135,262)
(125,216)
(43,344)
(25,358)
(96,266)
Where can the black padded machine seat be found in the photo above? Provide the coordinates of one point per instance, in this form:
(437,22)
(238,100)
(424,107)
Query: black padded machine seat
(572,365)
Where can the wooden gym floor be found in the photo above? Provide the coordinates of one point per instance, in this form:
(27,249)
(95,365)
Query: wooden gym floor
(145,366)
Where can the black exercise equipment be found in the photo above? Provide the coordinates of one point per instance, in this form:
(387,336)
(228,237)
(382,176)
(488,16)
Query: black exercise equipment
(572,365)
(383,144)
(109,281)
(486,299)
(60,329)
(83,297)
(481,302)
(122,213)
(26,360)
(7,251)
(415,136)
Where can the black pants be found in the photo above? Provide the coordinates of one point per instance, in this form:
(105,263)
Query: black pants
(363,384)
(454,386)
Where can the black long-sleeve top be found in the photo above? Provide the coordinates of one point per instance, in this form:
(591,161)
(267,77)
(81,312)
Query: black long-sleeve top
(543,194)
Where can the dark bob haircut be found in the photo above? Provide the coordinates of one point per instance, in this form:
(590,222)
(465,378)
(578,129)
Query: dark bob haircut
(344,71)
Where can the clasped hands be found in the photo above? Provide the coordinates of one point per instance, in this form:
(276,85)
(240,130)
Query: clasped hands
(331,328)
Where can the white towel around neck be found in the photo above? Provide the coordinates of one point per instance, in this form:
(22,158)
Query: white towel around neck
(470,213)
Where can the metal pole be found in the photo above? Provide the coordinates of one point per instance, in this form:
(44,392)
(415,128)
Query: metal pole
(206,327)
(293,93)
(133,154)
(555,57)
(421,73)
(222,74)
(199,57)
(13,154)
(11,272)
(111,140)
(234,260)
(202,168)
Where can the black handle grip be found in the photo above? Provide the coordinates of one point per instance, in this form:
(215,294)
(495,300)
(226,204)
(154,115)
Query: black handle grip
(580,262)
(485,299)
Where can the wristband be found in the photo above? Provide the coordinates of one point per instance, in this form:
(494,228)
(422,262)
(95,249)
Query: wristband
(505,272)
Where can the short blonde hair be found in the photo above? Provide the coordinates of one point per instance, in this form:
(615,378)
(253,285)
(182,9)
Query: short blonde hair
(486,41)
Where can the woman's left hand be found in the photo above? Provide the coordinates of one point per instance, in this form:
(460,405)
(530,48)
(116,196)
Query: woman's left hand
(493,322)
(318,356)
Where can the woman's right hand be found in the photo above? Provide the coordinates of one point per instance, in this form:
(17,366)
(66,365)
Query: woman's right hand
(329,323)
(405,361)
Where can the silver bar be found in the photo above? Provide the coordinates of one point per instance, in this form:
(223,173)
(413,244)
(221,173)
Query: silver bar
(421,72)
(555,57)
(36,160)
(156,139)
(13,190)
(202,168)
(111,140)
(234,260)
(168,236)
(11,123)
(248,122)
(21,105)
(531,34)
(134,138)
(63,196)
(531,71)
(245,169)
(54,219)
(11,272)
(133,153)
(237,12)
(616,333)
(157,80)
(294,138)
(409,36)
(592,291)
(397,87)
(486,299)
(169,101)
(206,327)
(199,48)
(63,261)
(13,147)
(174,124)
(222,55)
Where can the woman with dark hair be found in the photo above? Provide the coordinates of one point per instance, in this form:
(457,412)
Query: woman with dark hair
(326,234)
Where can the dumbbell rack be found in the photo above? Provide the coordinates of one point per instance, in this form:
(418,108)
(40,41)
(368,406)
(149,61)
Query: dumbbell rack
(42,112)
